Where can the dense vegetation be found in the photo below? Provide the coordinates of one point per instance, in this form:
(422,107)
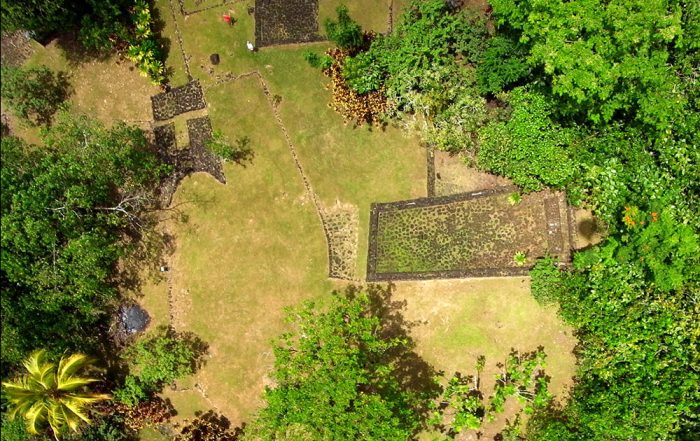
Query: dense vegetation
(600,98)
(102,26)
(70,210)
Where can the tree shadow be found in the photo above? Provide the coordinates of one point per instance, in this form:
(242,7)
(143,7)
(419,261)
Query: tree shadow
(210,426)
(415,375)
(75,53)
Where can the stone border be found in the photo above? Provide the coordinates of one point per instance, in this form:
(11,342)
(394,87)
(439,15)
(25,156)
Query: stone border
(191,159)
(377,208)
(430,166)
(185,12)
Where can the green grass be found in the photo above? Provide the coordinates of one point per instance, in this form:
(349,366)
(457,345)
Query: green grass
(254,246)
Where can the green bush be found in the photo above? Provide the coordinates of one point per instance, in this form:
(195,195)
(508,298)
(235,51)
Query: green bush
(156,361)
(529,148)
(548,281)
(345,32)
(317,61)
(144,49)
(502,64)
(34,94)
(238,152)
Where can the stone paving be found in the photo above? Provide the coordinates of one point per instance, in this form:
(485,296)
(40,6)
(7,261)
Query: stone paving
(473,234)
(177,101)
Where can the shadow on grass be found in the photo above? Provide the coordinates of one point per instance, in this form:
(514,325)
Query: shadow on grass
(414,374)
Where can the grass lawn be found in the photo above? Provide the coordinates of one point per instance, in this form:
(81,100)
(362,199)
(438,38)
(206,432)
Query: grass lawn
(459,320)
(255,245)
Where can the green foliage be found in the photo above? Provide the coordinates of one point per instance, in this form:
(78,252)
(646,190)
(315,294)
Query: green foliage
(548,282)
(69,211)
(239,152)
(345,32)
(503,63)
(157,361)
(337,376)
(100,22)
(52,395)
(13,430)
(515,198)
(529,148)
(144,49)
(523,378)
(451,104)
(603,58)
(363,72)
(317,61)
(34,94)
(520,258)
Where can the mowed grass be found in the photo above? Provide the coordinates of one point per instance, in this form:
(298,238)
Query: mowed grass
(255,245)
(456,321)
(247,250)
(353,165)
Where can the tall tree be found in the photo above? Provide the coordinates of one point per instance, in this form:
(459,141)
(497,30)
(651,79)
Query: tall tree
(604,58)
(52,394)
(69,210)
(337,377)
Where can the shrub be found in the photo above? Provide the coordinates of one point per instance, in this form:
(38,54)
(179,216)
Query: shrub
(317,61)
(345,32)
(34,94)
(502,64)
(547,281)
(359,108)
(238,152)
(157,361)
(144,49)
(529,148)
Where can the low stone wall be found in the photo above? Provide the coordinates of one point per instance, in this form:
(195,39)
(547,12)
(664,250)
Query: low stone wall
(540,225)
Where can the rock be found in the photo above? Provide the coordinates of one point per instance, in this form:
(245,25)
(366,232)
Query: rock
(214,59)
(133,319)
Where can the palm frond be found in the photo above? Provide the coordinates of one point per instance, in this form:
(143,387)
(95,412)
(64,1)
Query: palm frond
(72,383)
(70,365)
(35,416)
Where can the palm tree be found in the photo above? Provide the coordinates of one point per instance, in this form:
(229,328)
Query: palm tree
(53,394)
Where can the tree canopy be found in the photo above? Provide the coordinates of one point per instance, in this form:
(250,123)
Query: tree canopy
(70,209)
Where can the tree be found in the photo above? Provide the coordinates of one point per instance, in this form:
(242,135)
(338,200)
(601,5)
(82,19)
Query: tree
(239,152)
(52,394)
(345,32)
(69,211)
(604,59)
(337,377)
(34,94)
(156,361)
(530,147)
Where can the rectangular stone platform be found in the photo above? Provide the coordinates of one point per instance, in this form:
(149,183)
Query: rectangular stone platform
(473,234)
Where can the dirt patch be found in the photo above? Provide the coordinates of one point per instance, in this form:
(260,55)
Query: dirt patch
(587,230)
(286,21)
(342,226)
(474,234)
(15,48)
(452,176)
